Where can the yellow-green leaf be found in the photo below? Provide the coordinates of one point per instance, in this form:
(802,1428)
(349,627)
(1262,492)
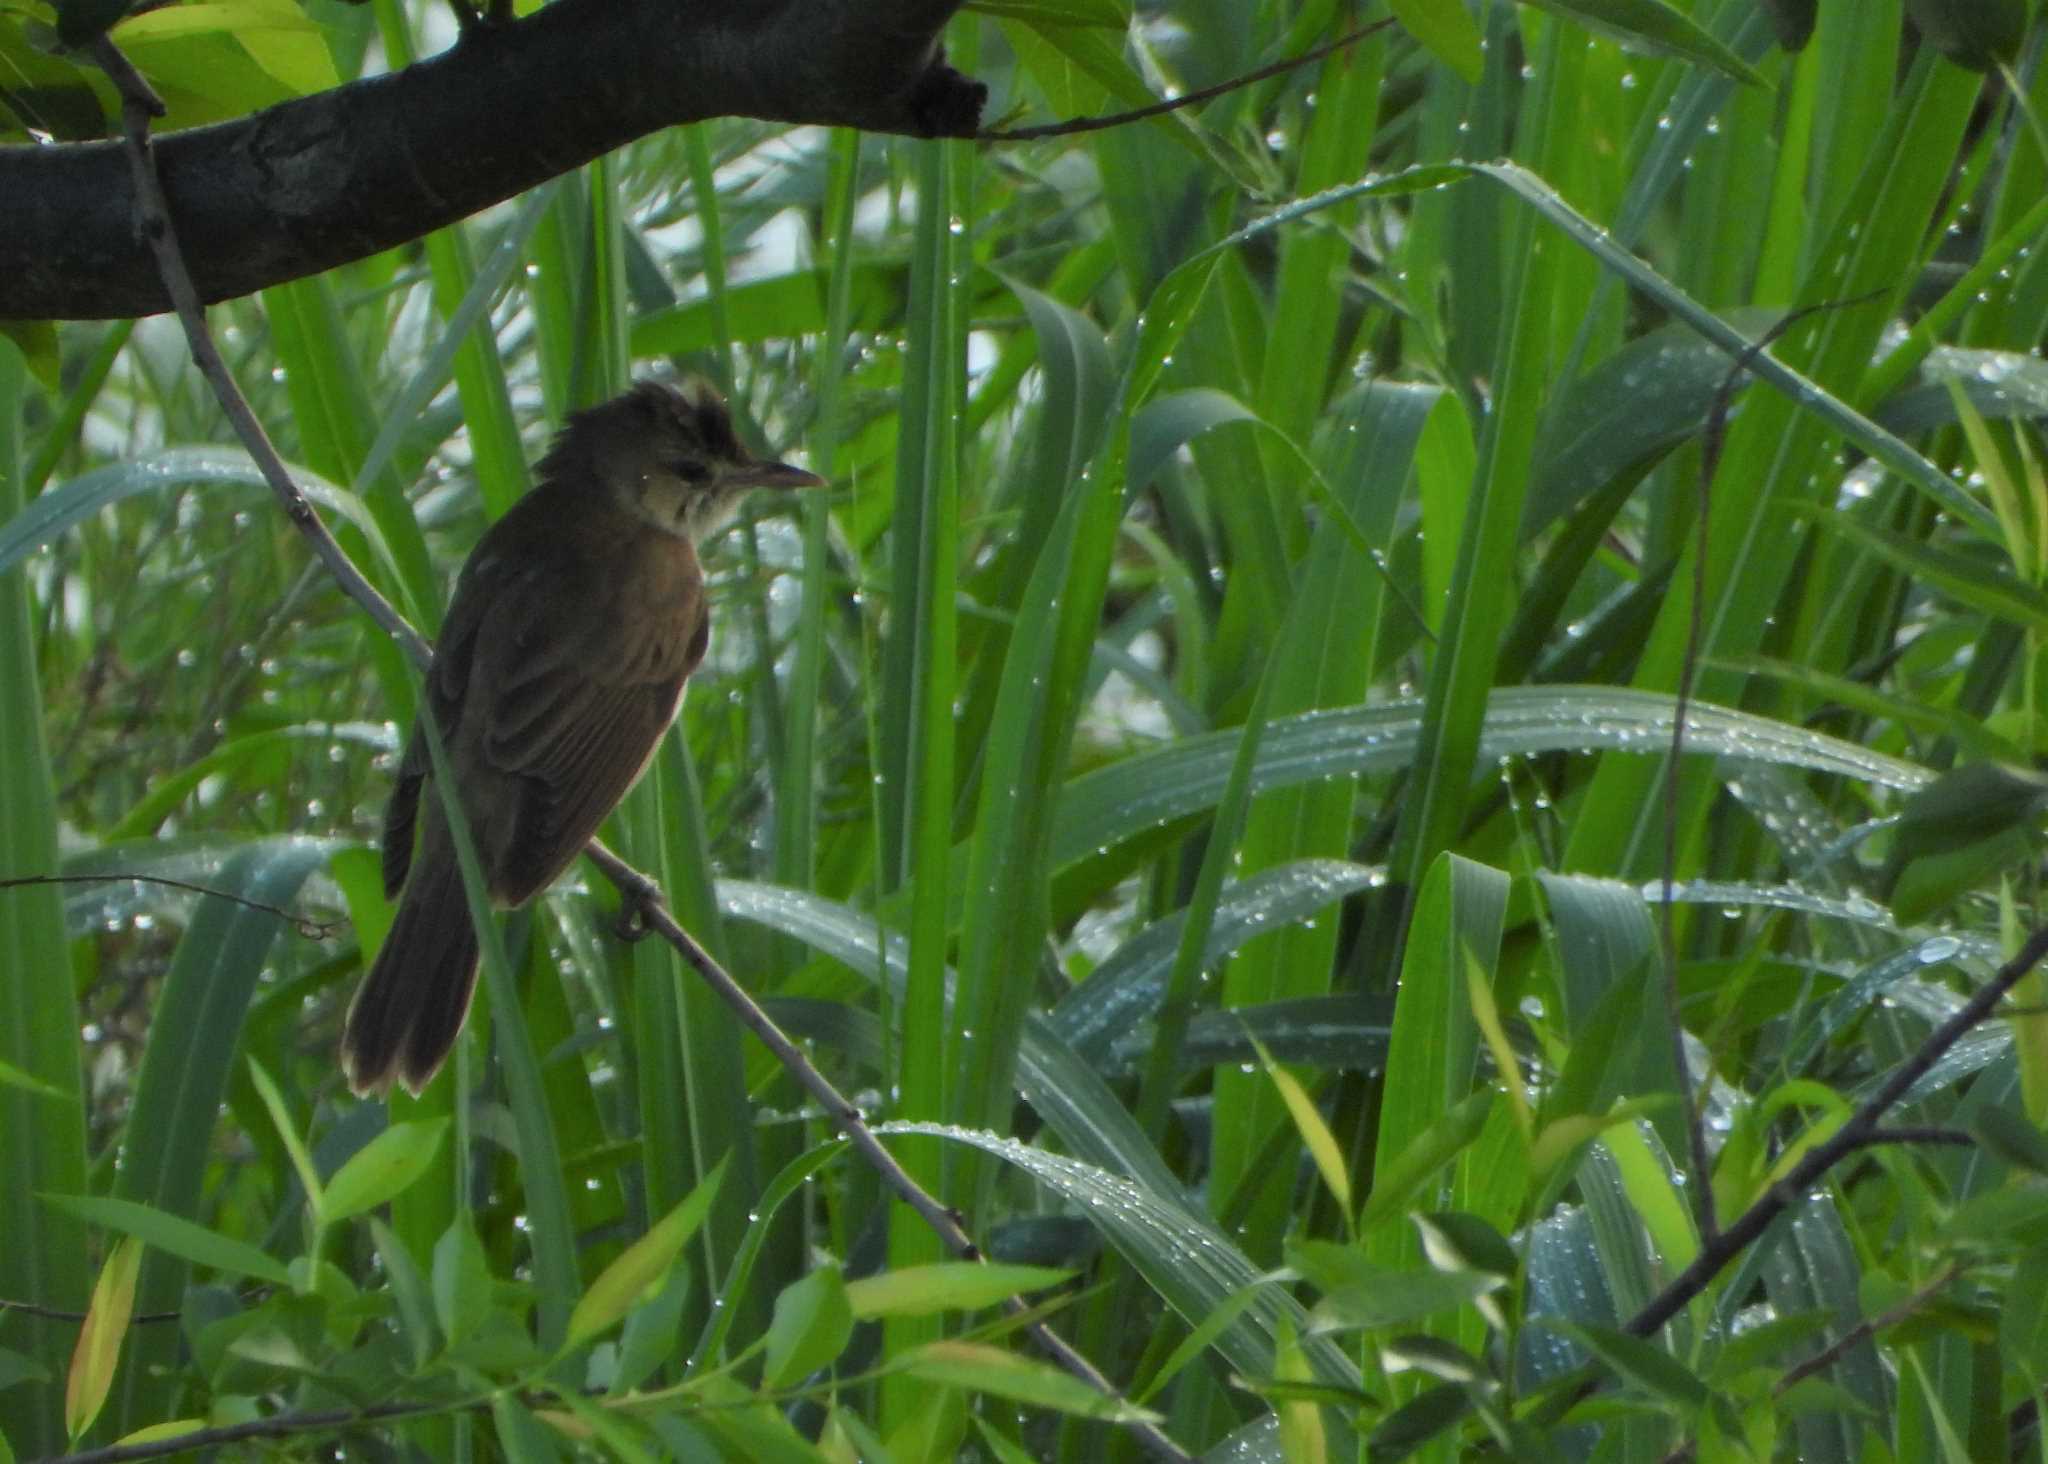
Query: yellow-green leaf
(99,1340)
(921,1291)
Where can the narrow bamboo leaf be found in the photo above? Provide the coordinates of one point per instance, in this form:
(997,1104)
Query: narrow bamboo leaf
(776,308)
(1432,1356)
(790,1182)
(1419,1420)
(1447,28)
(1486,1016)
(158,1433)
(1559,1138)
(1106,13)
(1303,1439)
(47,1141)
(2013,1139)
(287,1132)
(1199,1340)
(1164,426)
(14,1077)
(1646,1184)
(1186,1259)
(57,510)
(174,1235)
(1315,1134)
(1143,793)
(1653,26)
(1643,1363)
(1399,1299)
(1647,397)
(1433,1053)
(410,1290)
(194,1038)
(1129,984)
(1995,383)
(1101,59)
(1396,1180)
(978,1368)
(1970,579)
(1340,1033)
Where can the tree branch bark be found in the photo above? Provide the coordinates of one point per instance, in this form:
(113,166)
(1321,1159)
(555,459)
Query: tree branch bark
(316,182)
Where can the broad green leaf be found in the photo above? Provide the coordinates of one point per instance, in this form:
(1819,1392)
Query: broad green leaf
(283,39)
(643,1264)
(382,1168)
(812,1323)
(461,1281)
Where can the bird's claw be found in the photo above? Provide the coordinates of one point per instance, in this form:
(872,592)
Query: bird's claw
(632,924)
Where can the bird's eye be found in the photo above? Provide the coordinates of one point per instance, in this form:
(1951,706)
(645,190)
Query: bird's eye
(690,470)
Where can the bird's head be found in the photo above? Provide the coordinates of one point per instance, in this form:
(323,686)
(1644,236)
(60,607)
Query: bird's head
(671,458)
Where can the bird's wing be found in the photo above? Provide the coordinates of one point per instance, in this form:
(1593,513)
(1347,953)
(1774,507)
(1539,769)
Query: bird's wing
(485,580)
(582,681)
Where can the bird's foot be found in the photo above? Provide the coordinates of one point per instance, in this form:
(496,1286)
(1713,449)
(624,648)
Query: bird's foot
(636,904)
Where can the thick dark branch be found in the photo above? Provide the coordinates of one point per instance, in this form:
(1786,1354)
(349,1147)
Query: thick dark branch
(323,180)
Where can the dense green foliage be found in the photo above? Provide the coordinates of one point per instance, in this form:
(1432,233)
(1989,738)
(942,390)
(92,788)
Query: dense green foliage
(1207,766)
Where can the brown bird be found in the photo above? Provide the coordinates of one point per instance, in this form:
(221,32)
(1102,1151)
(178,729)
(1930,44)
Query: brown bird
(575,622)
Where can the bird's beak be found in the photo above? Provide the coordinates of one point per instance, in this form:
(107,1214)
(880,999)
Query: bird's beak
(774,475)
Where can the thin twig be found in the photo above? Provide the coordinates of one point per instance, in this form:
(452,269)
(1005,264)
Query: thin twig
(138,105)
(274,1426)
(1174,104)
(1837,1349)
(1868,1328)
(58,1314)
(1857,1133)
(1711,439)
(1908,1133)
(655,916)
(305,925)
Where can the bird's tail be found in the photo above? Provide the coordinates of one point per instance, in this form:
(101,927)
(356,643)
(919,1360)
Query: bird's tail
(405,1018)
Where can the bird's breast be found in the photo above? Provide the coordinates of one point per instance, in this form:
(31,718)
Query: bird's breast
(661,611)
